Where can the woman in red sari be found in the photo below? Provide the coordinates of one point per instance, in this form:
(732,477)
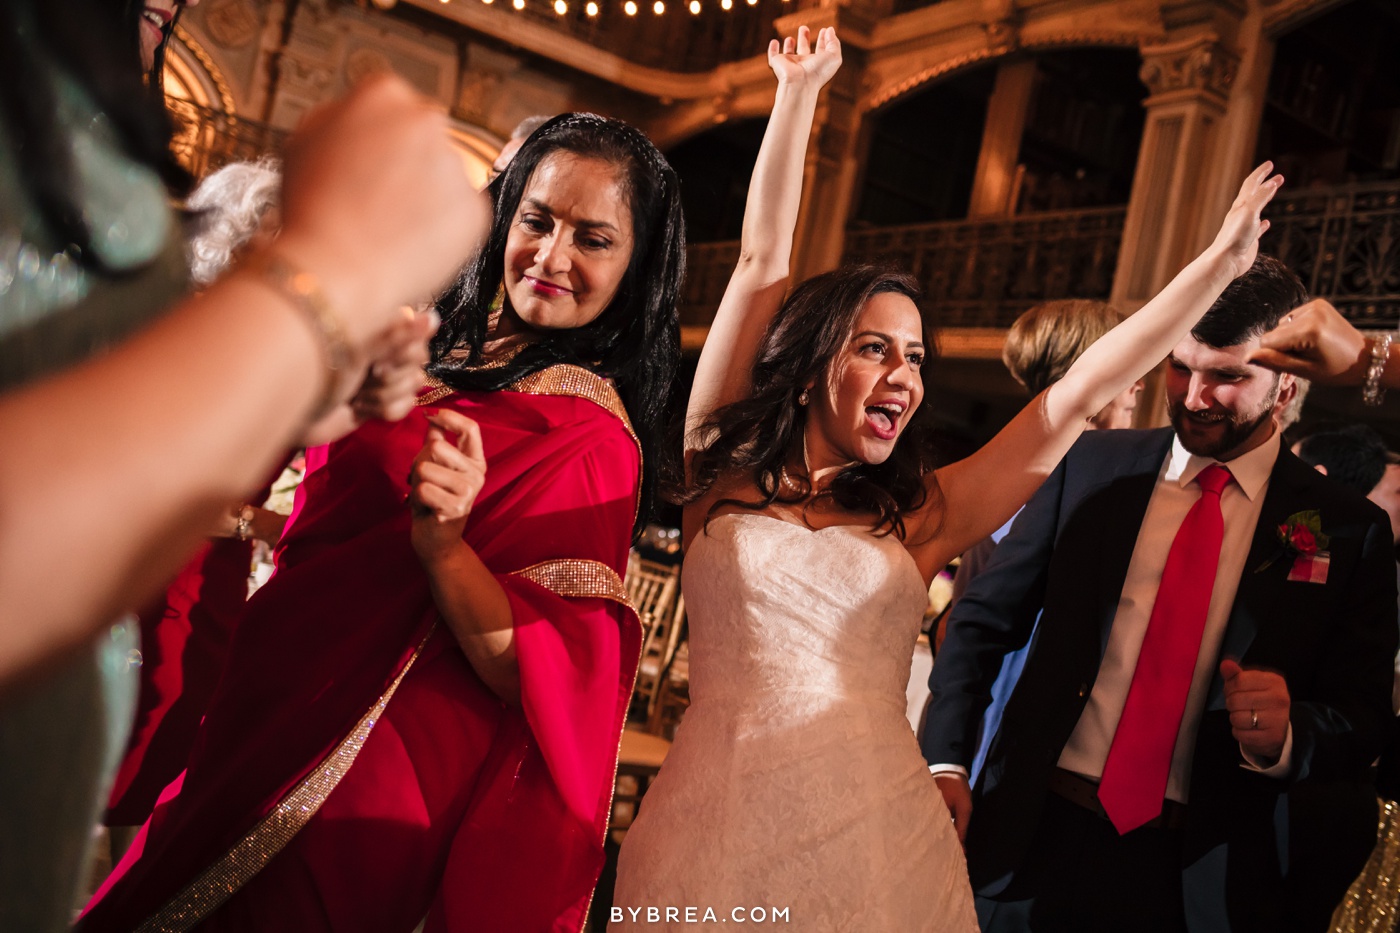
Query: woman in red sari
(421,711)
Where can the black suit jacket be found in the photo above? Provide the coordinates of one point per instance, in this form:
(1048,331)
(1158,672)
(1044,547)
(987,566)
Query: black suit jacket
(1068,555)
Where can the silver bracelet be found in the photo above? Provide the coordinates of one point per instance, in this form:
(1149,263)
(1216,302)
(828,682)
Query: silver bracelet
(1372,392)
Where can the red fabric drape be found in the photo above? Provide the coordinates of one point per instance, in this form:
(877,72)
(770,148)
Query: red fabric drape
(347,608)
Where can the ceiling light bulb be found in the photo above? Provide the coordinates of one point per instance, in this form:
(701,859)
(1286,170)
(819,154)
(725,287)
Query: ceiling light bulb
(591,9)
(658,7)
(630,8)
(560,7)
(695,7)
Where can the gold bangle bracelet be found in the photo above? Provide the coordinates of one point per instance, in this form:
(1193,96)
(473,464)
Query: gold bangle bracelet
(303,289)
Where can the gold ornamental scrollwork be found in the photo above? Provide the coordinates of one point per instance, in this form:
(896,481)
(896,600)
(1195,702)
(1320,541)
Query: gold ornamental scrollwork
(215,75)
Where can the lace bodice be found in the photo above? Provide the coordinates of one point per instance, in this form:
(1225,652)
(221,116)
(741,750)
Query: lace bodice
(775,606)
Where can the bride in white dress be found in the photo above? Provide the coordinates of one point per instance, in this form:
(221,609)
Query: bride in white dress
(795,792)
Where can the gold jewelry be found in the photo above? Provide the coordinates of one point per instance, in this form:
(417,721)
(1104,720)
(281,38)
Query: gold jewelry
(244,529)
(803,398)
(1372,392)
(1253,719)
(303,289)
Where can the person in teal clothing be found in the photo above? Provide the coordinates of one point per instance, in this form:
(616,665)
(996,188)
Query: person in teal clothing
(109,468)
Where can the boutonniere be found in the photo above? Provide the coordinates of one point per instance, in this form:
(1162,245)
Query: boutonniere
(1301,536)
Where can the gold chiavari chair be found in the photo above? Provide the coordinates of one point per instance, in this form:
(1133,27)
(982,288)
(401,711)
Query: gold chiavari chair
(654,589)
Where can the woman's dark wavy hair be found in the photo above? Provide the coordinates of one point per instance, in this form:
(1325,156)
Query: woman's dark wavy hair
(635,341)
(757,436)
(96,43)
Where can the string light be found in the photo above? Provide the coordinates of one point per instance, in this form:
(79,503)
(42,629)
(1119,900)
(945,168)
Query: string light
(726,4)
(630,8)
(695,7)
(658,7)
(560,7)
(518,4)
(591,9)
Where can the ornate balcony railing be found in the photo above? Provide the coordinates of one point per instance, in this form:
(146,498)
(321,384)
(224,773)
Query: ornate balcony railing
(1345,244)
(983,273)
(207,139)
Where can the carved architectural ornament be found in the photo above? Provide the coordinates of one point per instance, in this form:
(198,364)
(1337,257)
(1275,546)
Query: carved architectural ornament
(183,36)
(1201,65)
(232,23)
(477,93)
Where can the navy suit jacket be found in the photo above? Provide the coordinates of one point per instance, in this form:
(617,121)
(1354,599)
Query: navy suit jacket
(1066,558)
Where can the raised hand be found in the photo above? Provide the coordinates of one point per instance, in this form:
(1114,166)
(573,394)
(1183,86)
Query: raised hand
(798,62)
(1238,239)
(1259,705)
(444,481)
(1316,342)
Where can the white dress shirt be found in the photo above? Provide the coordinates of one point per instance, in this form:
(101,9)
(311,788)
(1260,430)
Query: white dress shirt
(1172,497)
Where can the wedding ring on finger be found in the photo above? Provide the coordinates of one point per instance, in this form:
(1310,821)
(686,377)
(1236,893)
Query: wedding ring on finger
(1253,719)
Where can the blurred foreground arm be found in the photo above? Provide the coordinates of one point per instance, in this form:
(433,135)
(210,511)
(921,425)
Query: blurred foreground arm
(112,471)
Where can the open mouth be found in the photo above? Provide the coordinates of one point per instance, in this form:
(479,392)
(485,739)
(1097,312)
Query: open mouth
(884,419)
(157,18)
(158,21)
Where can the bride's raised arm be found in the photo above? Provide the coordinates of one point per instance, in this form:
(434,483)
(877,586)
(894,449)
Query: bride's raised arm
(984,490)
(755,290)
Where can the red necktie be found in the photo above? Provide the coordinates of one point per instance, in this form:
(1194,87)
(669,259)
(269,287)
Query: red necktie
(1139,760)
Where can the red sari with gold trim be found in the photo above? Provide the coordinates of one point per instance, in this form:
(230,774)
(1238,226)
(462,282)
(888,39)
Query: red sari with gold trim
(353,773)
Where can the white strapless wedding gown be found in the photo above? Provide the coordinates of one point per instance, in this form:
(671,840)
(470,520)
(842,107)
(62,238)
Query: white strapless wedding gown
(795,783)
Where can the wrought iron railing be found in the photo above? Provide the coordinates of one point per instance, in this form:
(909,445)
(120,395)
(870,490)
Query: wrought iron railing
(1345,243)
(983,273)
(206,139)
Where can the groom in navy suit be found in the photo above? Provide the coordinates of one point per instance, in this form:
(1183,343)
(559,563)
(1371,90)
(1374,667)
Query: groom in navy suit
(1218,626)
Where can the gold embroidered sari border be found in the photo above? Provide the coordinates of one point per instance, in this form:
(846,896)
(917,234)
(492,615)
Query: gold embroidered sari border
(437,391)
(220,881)
(576,577)
(567,379)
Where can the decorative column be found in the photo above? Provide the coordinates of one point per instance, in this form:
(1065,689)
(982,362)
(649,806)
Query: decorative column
(836,157)
(1190,82)
(1197,144)
(994,184)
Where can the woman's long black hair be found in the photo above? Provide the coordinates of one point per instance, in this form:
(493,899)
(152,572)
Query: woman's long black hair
(95,43)
(760,436)
(635,341)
